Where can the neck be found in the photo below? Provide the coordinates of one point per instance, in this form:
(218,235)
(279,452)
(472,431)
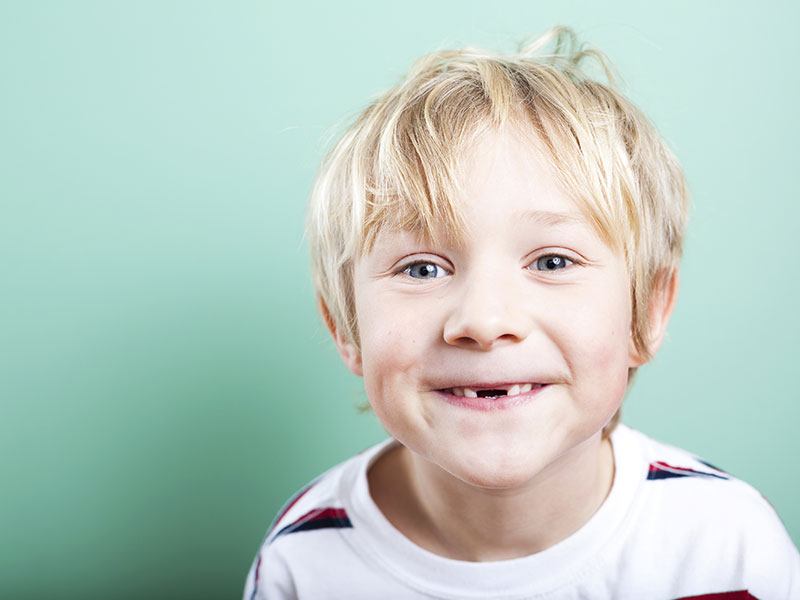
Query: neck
(449,517)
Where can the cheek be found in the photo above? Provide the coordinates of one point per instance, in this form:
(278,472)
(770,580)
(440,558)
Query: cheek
(389,355)
(394,338)
(598,338)
(390,385)
(599,335)
(602,372)
(610,365)
(386,349)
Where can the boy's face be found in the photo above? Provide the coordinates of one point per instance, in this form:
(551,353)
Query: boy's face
(533,305)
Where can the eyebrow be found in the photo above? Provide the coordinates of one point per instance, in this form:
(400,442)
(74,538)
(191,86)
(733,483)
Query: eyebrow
(546,217)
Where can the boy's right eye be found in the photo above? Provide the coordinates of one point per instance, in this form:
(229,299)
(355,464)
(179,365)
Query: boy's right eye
(424,270)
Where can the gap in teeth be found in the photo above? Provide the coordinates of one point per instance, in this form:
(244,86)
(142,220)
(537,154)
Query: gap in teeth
(493,393)
(514,390)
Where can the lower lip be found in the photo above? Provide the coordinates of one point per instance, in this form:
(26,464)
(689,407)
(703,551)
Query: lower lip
(487,404)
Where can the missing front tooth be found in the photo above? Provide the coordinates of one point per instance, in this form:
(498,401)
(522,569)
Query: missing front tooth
(491,393)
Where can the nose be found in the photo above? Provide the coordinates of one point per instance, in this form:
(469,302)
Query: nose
(488,312)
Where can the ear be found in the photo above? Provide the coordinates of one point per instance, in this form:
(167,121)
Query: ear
(349,353)
(659,310)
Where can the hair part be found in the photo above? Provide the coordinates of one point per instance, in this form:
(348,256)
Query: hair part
(397,165)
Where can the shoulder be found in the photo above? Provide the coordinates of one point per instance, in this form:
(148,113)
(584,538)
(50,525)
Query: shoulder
(311,526)
(683,483)
(691,511)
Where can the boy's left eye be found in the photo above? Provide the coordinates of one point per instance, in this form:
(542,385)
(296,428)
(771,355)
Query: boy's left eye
(424,270)
(551,262)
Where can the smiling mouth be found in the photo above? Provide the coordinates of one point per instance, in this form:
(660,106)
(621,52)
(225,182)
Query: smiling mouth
(493,392)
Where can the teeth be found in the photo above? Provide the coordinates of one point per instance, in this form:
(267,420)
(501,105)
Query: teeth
(514,390)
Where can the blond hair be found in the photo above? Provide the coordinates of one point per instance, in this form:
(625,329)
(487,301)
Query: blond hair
(396,165)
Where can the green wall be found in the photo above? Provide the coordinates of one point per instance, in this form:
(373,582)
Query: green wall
(165,383)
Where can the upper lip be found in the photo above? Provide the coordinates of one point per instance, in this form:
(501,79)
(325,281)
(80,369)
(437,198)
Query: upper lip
(490,385)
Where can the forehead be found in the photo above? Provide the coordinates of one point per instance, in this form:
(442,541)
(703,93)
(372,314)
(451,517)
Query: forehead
(505,169)
(511,168)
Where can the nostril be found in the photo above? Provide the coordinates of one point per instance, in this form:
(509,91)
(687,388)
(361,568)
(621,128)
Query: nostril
(475,343)
(478,326)
(508,337)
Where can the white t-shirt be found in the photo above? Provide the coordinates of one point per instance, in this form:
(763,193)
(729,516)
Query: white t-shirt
(672,527)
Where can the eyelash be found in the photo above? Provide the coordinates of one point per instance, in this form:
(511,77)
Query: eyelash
(559,257)
(406,268)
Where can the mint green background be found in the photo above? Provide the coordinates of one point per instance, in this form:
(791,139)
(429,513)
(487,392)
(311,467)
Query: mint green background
(165,383)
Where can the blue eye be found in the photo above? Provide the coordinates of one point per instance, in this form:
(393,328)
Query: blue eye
(552,262)
(424,270)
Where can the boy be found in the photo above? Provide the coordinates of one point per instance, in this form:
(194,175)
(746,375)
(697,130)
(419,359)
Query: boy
(495,245)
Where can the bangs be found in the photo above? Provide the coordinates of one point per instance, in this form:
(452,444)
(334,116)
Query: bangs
(416,158)
(417,136)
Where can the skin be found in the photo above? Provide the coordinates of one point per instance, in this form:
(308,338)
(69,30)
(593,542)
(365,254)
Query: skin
(497,479)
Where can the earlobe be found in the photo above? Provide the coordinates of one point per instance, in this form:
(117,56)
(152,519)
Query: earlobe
(659,310)
(350,356)
(347,351)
